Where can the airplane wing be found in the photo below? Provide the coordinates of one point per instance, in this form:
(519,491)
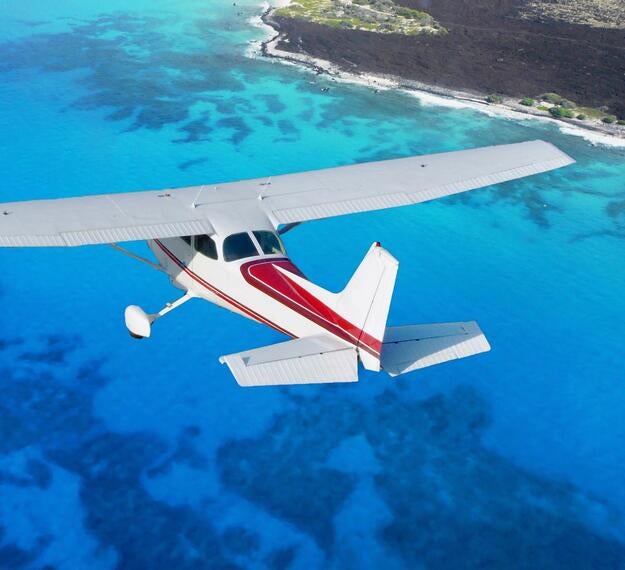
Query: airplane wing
(285,199)
(403,181)
(309,360)
(107,218)
(409,348)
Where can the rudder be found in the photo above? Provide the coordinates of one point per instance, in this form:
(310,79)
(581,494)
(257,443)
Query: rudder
(366,300)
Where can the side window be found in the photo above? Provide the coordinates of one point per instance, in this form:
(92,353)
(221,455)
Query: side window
(186,239)
(206,246)
(269,242)
(238,246)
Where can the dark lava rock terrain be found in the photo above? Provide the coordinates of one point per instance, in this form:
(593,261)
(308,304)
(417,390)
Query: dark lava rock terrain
(489,48)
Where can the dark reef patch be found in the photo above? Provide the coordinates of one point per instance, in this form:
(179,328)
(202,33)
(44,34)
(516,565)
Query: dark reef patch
(145,533)
(240,129)
(287,127)
(38,474)
(280,559)
(273,103)
(616,209)
(11,556)
(50,408)
(240,541)
(196,130)
(454,503)
(55,350)
(193,162)
(135,69)
(284,472)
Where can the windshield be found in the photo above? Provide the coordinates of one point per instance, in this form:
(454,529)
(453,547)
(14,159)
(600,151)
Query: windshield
(238,246)
(269,242)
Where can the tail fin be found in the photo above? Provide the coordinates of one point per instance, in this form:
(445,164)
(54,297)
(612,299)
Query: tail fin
(366,300)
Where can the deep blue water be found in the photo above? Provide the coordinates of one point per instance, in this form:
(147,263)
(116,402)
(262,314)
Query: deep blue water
(147,455)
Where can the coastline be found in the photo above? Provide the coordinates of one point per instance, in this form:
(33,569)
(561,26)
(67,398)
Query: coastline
(594,131)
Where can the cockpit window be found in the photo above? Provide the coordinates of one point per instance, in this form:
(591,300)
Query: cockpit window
(238,246)
(206,246)
(186,239)
(269,242)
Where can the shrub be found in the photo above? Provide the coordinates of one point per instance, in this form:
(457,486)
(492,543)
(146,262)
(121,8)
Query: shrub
(620,122)
(552,98)
(561,113)
(411,14)
(494,98)
(582,117)
(609,119)
(527,101)
(567,104)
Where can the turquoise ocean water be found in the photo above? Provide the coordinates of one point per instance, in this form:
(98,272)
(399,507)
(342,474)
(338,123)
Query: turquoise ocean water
(115,453)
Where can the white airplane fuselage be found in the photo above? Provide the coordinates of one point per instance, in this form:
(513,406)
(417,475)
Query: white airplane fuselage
(265,287)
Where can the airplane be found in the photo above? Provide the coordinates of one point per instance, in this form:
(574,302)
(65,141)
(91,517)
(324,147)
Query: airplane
(222,243)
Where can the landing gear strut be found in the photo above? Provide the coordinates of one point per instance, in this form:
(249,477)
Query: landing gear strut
(139,323)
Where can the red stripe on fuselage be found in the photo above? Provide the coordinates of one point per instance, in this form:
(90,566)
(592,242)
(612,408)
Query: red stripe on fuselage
(221,294)
(265,276)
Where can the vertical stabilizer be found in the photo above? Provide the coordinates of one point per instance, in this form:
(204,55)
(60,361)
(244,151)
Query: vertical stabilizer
(366,300)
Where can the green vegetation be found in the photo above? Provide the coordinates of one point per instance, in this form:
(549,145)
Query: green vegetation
(412,14)
(527,101)
(561,112)
(591,112)
(552,98)
(381,16)
(494,98)
(620,122)
(562,108)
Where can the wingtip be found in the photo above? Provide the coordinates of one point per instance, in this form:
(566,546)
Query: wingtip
(566,158)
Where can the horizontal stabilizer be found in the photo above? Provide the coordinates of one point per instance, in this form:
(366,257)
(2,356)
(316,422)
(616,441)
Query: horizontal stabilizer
(309,360)
(412,347)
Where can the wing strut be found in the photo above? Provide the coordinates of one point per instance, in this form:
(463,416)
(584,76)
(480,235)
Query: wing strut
(137,257)
(288,227)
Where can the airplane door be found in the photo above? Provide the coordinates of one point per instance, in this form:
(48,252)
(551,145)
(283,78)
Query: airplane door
(205,255)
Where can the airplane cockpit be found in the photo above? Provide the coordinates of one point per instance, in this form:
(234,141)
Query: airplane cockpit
(237,246)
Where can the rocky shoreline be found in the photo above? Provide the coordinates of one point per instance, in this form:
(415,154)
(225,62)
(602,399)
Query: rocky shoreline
(280,47)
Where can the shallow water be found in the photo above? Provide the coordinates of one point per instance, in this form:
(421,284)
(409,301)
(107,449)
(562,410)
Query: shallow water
(144,455)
